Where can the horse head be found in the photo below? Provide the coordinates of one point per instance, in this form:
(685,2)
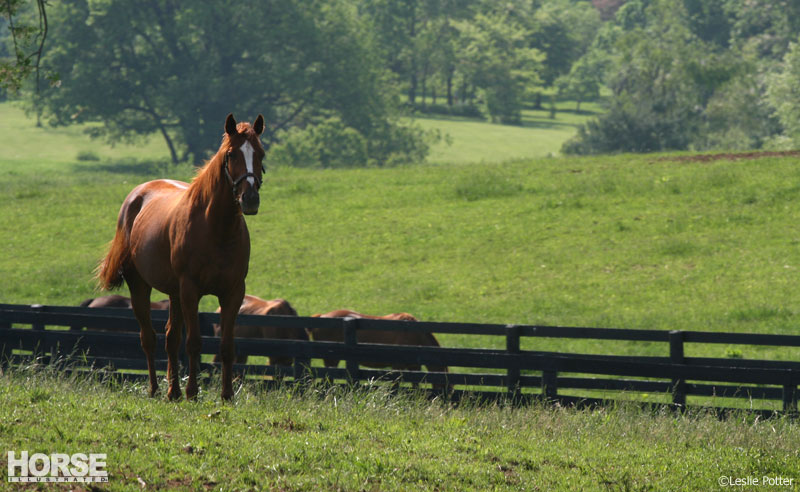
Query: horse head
(242,162)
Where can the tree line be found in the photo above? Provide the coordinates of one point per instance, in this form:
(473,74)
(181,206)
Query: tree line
(698,75)
(332,76)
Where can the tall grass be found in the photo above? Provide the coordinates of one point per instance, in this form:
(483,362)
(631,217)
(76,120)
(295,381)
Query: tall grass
(324,438)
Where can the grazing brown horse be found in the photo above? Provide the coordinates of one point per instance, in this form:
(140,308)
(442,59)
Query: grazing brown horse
(190,240)
(376,336)
(256,305)
(119,302)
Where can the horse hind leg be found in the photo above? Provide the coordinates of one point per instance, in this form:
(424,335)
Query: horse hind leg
(189,299)
(140,302)
(173,343)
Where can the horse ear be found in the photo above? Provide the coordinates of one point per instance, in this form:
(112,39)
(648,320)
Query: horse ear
(258,126)
(230,125)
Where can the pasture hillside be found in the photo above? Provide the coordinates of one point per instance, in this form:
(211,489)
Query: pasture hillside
(618,241)
(613,241)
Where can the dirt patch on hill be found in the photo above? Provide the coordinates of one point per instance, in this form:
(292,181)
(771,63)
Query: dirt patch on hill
(731,156)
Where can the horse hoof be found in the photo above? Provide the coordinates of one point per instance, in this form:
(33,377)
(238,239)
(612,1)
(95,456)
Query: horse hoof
(174,394)
(191,392)
(153,391)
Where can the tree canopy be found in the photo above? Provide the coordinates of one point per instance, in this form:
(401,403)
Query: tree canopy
(671,74)
(24,26)
(696,74)
(177,68)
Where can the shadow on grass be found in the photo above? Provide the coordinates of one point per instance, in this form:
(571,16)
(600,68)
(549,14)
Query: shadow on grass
(536,121)
(128,166)
(546,123)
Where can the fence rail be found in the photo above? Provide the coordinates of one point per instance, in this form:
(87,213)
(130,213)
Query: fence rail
(519,374)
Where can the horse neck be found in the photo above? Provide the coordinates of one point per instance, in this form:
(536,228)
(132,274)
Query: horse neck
(211,192)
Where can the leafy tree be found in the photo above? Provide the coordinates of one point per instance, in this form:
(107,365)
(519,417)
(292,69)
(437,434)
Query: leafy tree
(331,144)
(583,81)
(177,68)
(563,30)
(738,116)
(25,26)
(709,21)
(328,144)
(662,78)
(784,94)
(763,28)
(415,38)
(495,55)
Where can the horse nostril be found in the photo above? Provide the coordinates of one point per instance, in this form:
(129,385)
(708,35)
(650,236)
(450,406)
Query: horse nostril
(250,201)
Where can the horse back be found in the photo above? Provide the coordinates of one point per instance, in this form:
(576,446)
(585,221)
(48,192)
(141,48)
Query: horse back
(257,306)
(374,336)
(148,215)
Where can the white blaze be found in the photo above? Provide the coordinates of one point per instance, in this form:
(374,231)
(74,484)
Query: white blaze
(248,152)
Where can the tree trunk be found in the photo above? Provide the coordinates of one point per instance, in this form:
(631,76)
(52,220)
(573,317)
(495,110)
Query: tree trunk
(424,89)
(412,89)
(450,87)
(170,145)
(538,103)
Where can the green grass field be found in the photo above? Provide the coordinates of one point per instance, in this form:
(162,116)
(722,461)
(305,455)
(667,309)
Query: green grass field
(468,140)
(623,241)
(611,241)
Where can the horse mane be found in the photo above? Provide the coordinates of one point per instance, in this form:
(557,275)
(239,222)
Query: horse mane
(207,178)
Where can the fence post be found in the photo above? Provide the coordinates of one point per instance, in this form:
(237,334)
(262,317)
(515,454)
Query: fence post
(39,309)
(350,326)
(301,367)
(512,373)
(676,357)
(39,326)
(790,394)
(549,384)
(5,347)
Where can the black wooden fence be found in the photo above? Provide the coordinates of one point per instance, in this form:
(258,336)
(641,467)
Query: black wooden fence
(513,373)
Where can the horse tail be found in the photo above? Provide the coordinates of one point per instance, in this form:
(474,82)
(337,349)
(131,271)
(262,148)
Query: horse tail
(109,271)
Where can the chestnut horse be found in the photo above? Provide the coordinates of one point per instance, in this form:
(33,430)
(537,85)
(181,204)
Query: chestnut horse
(119,302)
(376,336)
(190,240)
(256,305)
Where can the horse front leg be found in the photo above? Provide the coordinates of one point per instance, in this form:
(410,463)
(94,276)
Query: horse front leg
(173,344)
(229,309)
(189,301)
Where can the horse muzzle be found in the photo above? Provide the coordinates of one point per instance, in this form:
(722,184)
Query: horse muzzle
(249,202)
